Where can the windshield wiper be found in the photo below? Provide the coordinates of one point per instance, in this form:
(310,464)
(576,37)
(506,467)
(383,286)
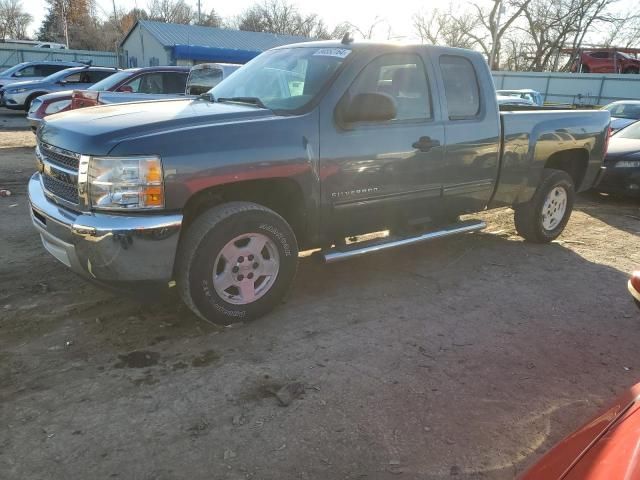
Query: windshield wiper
(250,100)
(207,96)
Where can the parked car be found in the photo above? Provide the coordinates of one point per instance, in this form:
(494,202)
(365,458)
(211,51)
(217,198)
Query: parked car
(123,79)
(51,45)
(623,113)
(622,162)
(508,100)
(634,287)
(300,148)
(205,76)
(525,93)
(29,71)
(605,60)
(19,95)
(151,83)
(604,448)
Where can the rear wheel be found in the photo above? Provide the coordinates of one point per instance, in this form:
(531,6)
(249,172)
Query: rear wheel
(632,70)
(236,262)
(543,218)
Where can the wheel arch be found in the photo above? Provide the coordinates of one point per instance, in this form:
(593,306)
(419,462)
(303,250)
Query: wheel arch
(280,194)
(573,161)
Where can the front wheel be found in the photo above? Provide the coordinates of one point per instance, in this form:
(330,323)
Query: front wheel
(236,262)
(543,218)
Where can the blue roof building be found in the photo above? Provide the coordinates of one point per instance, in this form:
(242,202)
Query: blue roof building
(151,43)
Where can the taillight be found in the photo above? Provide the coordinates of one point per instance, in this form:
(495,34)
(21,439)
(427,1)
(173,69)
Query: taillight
(606,141)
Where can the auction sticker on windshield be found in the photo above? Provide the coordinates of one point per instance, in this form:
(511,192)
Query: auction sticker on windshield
(333,52)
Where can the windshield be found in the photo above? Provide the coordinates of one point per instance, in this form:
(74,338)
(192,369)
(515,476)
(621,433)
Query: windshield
(110,82)
(9,71)
(283,79)
(54,77)
(632,131)
(625,110)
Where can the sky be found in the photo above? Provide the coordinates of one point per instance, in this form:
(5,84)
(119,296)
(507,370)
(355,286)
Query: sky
(396,13)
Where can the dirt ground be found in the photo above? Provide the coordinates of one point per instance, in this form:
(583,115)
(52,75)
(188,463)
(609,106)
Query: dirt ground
(463,358)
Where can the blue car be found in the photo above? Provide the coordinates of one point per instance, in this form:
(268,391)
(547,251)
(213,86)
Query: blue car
(30,71)
(19,95)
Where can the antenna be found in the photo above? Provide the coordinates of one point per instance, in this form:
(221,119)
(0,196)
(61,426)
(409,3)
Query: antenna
(347,38)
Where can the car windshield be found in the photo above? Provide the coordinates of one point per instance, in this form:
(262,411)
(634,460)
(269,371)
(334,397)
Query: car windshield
(54,77)
(283,80)
(625,110)
(632,131)
(110,82)
(10,71)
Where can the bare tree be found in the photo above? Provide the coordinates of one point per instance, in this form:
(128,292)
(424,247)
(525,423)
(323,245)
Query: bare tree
(13,20)
(445,28)
(496,21)
(281,17)
(367,32)
(170,11)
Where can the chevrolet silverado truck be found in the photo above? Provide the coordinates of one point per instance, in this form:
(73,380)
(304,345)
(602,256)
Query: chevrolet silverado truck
(305,147)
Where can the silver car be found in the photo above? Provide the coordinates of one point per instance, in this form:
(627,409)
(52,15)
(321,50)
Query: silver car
(19,95)
(29,71)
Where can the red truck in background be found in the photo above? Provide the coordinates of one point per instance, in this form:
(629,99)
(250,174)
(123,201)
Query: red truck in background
(605,60)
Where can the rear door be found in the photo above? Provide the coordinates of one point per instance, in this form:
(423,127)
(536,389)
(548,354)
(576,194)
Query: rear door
(384,173)
(472,131)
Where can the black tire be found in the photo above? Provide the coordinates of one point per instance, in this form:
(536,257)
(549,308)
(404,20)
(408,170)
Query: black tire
(632,70)
(529,216)
(585,69)
(27,103)
(204,240)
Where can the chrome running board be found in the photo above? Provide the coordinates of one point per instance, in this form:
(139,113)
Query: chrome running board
(356,249)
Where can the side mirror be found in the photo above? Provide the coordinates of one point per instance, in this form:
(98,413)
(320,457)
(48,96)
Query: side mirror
(125,89)
(370,107)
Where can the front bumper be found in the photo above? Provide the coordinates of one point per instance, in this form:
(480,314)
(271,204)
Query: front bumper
(15,100)
(624,181)
(34,122)
(106,247)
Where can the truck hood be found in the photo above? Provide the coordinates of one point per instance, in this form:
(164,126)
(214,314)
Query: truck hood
(96,130)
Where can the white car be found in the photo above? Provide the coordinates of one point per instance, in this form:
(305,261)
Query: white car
(506,100)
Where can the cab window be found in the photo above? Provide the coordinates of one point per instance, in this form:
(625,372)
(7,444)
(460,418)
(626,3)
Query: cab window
(401,76)
(460,87)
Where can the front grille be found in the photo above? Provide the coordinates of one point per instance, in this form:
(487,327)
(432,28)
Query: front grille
(67,160)
(64,190)
(60,172)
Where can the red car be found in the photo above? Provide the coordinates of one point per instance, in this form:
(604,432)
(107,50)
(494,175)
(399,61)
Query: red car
(605,448)
(607,60)
(130,80)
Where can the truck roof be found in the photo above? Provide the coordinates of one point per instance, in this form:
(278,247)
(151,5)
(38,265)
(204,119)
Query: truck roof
(356,45)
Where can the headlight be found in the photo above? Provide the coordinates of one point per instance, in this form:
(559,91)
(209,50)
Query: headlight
(35,105)
(628,164)
(55,107)
(125,183)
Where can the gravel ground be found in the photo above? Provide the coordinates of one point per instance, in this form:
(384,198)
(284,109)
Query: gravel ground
(467,357)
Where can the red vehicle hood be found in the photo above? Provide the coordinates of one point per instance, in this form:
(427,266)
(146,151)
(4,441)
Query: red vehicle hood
(607,447)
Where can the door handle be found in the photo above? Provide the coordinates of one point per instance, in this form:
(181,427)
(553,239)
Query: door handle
(424,144)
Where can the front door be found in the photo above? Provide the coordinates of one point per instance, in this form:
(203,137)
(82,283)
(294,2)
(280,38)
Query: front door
(378,175)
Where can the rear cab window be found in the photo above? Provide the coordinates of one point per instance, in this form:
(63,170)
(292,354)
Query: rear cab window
(461,87)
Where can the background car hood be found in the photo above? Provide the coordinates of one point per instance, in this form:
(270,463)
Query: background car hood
(618,122)
(96,130)
(52,97)
(25,84)
(621,147)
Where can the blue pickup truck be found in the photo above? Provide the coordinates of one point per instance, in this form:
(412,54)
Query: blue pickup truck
(304,147)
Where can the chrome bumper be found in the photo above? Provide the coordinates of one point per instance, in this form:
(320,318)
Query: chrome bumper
(34,122)
(105,246)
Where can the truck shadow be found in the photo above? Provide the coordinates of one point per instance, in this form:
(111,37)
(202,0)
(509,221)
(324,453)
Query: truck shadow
(622,213)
